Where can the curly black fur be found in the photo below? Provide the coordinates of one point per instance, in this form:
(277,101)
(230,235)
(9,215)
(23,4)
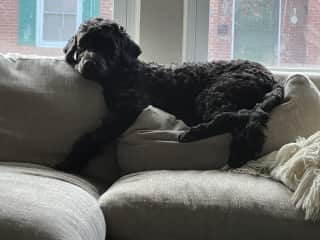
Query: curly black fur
(213,98)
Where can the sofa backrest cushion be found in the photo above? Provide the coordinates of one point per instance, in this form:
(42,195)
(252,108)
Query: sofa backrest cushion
(44,107)
(299,116)
(313,76)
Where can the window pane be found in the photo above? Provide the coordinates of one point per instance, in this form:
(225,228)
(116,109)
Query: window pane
(276,33)
(256,30)
(70,24)
(52,26)
(70,6)
(20,24)
(52,5)
(220,29)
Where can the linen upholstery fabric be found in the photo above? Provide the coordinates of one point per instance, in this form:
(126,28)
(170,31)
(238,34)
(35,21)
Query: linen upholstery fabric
(314,76)
(37,203)
(151,142)
(103,170)
(184,205)
(44,107)
(298,117)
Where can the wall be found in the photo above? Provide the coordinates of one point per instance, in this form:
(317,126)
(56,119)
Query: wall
(220,43)
(161,30)
(293,35)
(312,35)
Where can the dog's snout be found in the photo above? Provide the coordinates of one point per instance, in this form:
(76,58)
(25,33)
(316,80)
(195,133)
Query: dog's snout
(91,67)
(90,64)
(88,68)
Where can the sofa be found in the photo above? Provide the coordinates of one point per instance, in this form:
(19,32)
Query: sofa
(139,188)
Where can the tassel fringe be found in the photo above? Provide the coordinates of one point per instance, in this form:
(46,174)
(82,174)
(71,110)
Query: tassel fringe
(297,166)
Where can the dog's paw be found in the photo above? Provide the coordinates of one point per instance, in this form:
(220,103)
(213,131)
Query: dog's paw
(187,136)
(259,117)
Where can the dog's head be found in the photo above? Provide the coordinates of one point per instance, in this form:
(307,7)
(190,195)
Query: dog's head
(98,46)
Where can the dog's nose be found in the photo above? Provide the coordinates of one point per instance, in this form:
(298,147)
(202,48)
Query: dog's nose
(88,68)
(89,64)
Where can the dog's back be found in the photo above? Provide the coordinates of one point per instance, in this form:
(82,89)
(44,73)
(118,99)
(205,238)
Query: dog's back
(183,89)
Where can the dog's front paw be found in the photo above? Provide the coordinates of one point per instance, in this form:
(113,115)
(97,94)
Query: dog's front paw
(187,136)
(259,116)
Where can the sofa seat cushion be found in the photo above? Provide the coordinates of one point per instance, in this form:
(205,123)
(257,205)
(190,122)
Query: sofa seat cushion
(202,205)
(39,203)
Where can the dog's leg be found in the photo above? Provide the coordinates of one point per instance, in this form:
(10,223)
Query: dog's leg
(246,127)
(248,141)
(271,99)
(228,121)
(222,123)
(240,151)
(247,133)
(92,143)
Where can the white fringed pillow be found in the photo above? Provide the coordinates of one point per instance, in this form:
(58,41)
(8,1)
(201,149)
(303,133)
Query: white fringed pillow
(298,117)
(44,107)
(151,142)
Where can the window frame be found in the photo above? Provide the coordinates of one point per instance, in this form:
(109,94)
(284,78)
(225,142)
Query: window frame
(278,32)
(195,30)
(125,12)
(40,42)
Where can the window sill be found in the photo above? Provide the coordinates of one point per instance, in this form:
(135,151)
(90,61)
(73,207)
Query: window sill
(295,70)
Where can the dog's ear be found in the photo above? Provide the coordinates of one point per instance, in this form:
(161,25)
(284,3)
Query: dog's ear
(70,49)
(132,49)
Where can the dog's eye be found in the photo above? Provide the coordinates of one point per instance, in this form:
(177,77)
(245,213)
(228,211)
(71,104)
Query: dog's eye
(76,56)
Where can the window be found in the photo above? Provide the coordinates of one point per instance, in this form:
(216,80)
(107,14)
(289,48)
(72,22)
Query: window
(56,20)
(277,33)
(42,27)
(255,34)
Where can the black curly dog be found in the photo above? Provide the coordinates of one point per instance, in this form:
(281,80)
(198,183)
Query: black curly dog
(213,98)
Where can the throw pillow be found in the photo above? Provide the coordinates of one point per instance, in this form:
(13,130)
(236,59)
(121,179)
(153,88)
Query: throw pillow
(44,107)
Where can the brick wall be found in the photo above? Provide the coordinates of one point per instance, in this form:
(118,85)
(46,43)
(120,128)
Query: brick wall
(9,17)
(294,20)
(220,29)
(106,8)
(313,33)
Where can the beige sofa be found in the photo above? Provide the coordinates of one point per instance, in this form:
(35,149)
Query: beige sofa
(45,106)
